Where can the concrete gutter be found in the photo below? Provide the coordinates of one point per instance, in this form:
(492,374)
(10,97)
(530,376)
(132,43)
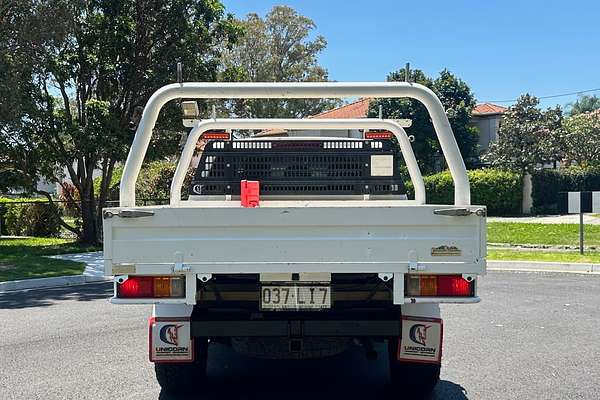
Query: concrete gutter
(543,266)
(57,281)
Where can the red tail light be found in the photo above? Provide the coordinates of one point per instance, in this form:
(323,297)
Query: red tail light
(151,286)
(454,285)
(438,286)
(219,135)
(138,286)
(378,135)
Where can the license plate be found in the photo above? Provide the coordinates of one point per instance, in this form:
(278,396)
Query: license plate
(295,297)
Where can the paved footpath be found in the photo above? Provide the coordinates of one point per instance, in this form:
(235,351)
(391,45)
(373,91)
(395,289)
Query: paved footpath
(550,219)
(534,336)
(94,263)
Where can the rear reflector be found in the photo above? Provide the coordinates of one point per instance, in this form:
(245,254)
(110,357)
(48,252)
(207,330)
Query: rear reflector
(438,286)
(216,135)
(378,135)
(250,193)
(151,287)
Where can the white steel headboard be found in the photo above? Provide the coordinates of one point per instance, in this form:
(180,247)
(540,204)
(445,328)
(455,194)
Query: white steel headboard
(222,90)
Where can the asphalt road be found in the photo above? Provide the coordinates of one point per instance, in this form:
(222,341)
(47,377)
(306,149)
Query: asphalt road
(534,336)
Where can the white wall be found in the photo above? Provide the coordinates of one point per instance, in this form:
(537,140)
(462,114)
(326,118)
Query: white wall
(488,129)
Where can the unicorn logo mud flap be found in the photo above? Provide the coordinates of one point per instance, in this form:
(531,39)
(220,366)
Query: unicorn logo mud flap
(170,340)
(421,340)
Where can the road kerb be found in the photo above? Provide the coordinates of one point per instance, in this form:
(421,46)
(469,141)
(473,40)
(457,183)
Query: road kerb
(57,281)
(543,266)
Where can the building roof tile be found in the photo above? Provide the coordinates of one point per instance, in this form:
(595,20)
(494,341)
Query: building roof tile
(357,109)
(488,108)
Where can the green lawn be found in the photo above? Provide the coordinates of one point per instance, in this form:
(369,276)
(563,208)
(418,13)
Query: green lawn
(550,234)
(555,256)
(23,258)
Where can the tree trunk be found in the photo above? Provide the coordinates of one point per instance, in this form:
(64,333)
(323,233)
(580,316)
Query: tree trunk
(107,171)
(88,219)
(89,234)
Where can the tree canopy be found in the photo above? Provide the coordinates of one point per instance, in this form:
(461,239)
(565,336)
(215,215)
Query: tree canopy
(584,104)
(582,138)
(75,73)
(458,100)
(277,48)
(528,136)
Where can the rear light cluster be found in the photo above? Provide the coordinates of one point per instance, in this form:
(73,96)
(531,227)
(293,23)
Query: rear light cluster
(151,287)
(208,135)
(438,286)
(378,135)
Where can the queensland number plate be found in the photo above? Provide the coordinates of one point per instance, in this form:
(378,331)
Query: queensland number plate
(295,297)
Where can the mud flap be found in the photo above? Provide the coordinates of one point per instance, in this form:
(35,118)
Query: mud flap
(421,340)
(170,340)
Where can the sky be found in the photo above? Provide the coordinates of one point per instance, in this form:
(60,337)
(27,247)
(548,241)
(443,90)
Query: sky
(502,49)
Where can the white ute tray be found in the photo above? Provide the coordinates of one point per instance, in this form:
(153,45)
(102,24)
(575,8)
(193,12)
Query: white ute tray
(296,236)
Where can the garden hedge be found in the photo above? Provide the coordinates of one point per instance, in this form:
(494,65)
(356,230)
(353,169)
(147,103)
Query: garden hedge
(547,183)
(154,182)
(501,191)
(29,217)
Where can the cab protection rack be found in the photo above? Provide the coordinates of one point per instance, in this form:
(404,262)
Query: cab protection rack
(221,90)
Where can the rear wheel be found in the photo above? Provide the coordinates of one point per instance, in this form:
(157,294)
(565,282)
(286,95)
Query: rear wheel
(415,379)
(184,377)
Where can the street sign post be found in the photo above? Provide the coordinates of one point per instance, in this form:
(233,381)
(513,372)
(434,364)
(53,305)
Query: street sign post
(579,203)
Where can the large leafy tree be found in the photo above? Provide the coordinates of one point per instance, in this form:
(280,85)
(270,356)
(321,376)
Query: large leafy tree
(528,136)
(584,104)
(458,100)
(76,74)
(277,48)
(582,138)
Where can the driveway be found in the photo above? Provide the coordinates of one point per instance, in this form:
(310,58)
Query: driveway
(534,336)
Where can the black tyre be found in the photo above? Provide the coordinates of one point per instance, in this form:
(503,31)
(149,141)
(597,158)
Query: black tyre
(413,379)
(184,377)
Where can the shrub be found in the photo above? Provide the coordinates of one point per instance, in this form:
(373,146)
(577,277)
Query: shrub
(113,187)
(548,183)
(29,217)
(501,191)
(69,197)
(154,181)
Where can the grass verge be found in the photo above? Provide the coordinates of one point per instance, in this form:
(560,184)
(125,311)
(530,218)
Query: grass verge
(555,256)
(24,258)
(549,234)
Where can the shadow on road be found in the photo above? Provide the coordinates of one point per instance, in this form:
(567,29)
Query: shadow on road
(47,297)
(303,389)
(346,376)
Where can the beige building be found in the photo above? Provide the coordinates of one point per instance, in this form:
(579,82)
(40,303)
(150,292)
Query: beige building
(487,118)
